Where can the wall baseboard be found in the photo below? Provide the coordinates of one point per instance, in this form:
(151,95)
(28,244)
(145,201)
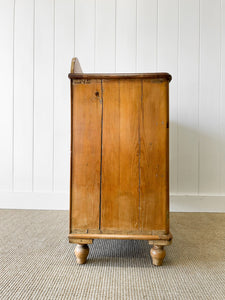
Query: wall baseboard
(60,201)
(35,200)
(197,203)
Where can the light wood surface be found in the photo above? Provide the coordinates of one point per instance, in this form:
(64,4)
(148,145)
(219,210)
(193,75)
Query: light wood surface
(75,66)
(154,158)
(80,241)
(111,155)
(164,238)
(120,155)
(81,252)
(119,159)
(159,76)
(158,254)
(86,155)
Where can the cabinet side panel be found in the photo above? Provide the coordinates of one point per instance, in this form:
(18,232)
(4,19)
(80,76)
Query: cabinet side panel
(154,176)
(86,155)
(120,155)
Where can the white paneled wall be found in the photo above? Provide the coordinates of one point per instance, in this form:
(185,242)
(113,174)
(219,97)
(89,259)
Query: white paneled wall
(38,39)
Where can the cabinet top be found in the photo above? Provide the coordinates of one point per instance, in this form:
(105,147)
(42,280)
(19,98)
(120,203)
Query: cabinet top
(76,73)
(163,76)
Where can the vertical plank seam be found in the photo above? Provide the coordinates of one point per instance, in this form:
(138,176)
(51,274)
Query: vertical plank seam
(100,195)
(13,94)
(71,151)
(53,104)
(119,141)
(178,91)
(168,155)
(115,32)
(199,96)
(34,19)
(139,162)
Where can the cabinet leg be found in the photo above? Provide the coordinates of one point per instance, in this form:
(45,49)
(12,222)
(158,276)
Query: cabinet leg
(157,254)
(81,252)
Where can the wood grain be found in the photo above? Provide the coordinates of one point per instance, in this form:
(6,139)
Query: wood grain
(158,254)
(86,154)
(159,76)
(81,252)
(154,160)
(120,160)
(120,155)
(75,66)
(164,239)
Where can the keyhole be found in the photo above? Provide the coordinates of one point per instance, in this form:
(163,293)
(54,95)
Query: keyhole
(97,94)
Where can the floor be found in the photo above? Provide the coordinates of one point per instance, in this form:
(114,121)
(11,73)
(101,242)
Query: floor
(37,262)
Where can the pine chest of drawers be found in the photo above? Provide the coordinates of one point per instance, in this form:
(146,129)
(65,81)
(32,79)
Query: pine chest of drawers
(119,159)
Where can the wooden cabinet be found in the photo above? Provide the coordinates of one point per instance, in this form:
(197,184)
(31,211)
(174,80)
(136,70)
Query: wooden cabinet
(119,159)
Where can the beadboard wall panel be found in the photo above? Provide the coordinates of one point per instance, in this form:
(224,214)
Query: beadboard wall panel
(222,101)
(64,49)
(188,91)
(147,35)
(38,39)
(126,36)
(43,95)
(85,27)
(209,99)
(6,99)
(23,110)
(105,36)
(167,59)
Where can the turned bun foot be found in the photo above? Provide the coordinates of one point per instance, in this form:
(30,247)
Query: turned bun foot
(157,254)
(81,252)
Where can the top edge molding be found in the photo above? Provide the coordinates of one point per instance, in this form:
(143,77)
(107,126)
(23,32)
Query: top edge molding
(162,76)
